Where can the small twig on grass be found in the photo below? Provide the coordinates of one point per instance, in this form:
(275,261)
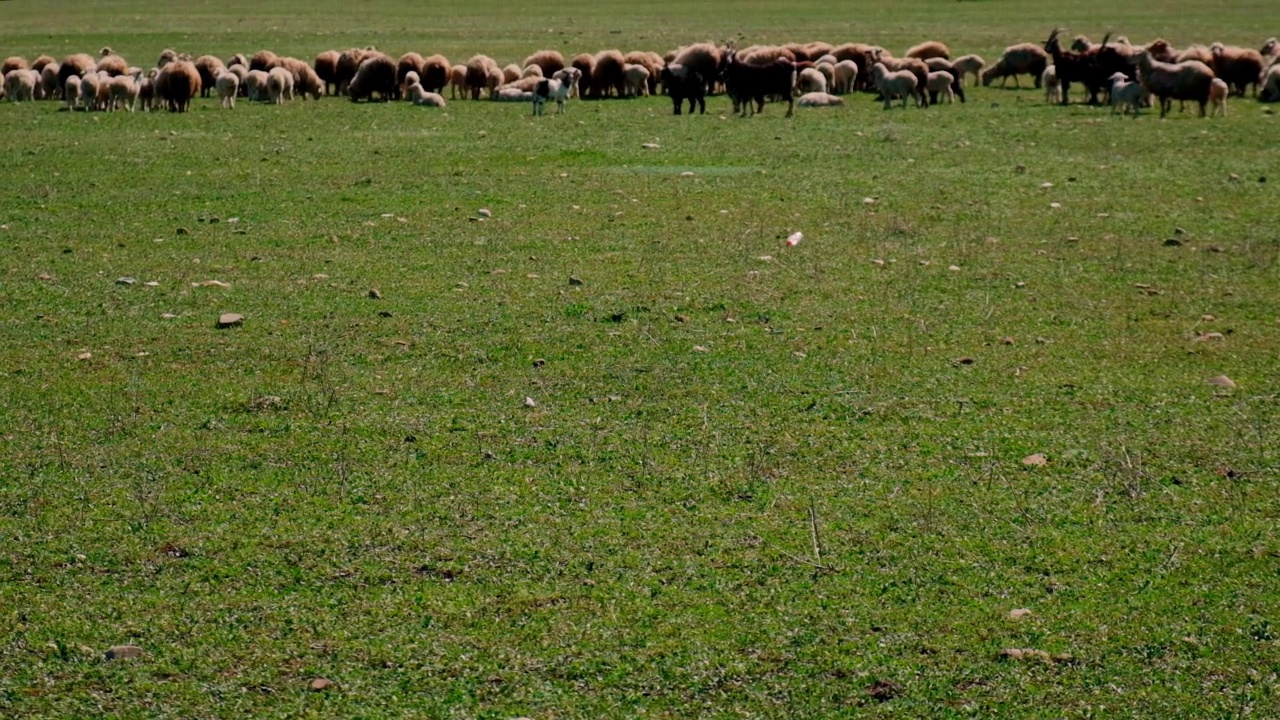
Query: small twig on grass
(813,530)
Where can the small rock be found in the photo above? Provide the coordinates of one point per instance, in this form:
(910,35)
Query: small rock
(539,362)
(1037,460)
(1019,613)
(1046,185)
(1179,231)
(320,684)
(211,283)
(1210,336)
(384,314)
(1025,654)
(700,348)
(1172,242)
(151,283)
(953,268)
(1007,341)
(530,402)
(682,318)
(86,355)
(182,231)
(46,277)
(123,652)
(573,280)
(687,173)
(878,262)
(868,201)
(230,320)
(964,361)
(651,146)
(1020,284)
(1208,318)
(1233,177)
(1221,381)
(1055,205)
(125,281)
(375,294)
(168,316)
(485,213)
(884,690)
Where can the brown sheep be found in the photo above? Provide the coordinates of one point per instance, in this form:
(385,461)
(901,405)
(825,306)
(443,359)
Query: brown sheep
(13,63)
(1239,67)
(863,56)
(550,61)
(408,62)
(208,66)
(458,82)
(1199,53)
(176,84)
(348,63)
(1020,59)
(478,71)
(1161,51)
(376,74)
(764,55)
(435,74)
(586,65)
(112,64)
(815,50)
(41,62)
(608,75)
(326,67)
(49,86)
(238,59)
(77,64)
(305,80)
(929,49)
(263,60)
(512,72)
(649,61)
(798,51)
(704,59)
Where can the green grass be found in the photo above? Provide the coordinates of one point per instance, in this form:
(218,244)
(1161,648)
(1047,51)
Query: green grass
(355,489)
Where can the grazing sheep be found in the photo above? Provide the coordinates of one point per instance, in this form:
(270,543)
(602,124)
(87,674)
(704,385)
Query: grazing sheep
(1238,67)
(305,80)
(478,71)
(167,56)
(89,83)
(968,65)
(228,85)
(71,92)
(930,49)
(531,71)
(900,83)
(348,65)
(828,71)
(1126,94)
(810,80)
(608,75)
(683,83)
(255,85)
(279,86)
(209,68)
(819,99)
(549,61)
(49,86)
(435,73)
(494,81)
(1218,92)
(939,65)
(1052,89)
(77,65)
(10,64)
(846,74)
(326,67)
(861,55)
(1194,52)
(747,83)
(940,82)
(637,80)
(586,65)
(238,59)
(122,93)
(410,62)
(916,67)
(796,52)
(422,98)
(112,64)
(20,85)
(1021,59)
(649,61)
(1270,84)
(458,82)
(705,59)
(104,91)
(511,73)
(1185,81)
(242,75)
(764,55)
(263,60)
(177,83)
(376,74)
(42,61)
(828,58)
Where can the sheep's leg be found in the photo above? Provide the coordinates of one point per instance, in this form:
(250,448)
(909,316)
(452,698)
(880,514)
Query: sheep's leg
(791,107)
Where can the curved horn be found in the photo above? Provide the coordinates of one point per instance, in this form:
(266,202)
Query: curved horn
(1105,38)
(1054,34)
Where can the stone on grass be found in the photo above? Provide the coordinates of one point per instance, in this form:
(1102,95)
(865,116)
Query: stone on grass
(320,683)
(1036,460)
(1019,613)
(375,294)
(1221,381)
(125,281)
(229,320)
(123,652)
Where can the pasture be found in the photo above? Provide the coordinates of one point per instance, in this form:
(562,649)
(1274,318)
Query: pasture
(616,450)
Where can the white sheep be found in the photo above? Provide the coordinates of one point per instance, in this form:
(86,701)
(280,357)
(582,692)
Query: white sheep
(228,84)
(1126,94)
(279,85)
(637,79)
(810,80)
(410,79)
(940,82)
(819,99)
(122,92)
(20,85)
(846,74)
(969,65)
(828,71)
(1052,88)
(256,85)
(828,58)
(71,91)
(899,82)
(422,98)
(1218,92)
(89,91)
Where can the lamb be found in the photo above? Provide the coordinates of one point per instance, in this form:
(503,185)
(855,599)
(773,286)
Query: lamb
(458,82)
(550,89)
(435,73)
(89,83)
(864,56)
(705,59)
(968,65)
(937,65)
(242,75)
(279,85)
(147,90)
(422,98)
(255,85)
(548,61)
(1021,59)
(103,100)
(900,82)
(1238,67)
(177,83)
(637,80)
(237,59)
(810,80)
(478,69)
(819,99)
(940,82)
(746,82)
(20,85)
(930,49)
(1126,94)
(49,85)
(649,61)
(684,83)
(376,74)
(608,74)
(228,85)
(586,65)
(326,67)
(209,68)
(512,94)
(410,78)
(122,93)
(915,66)
(1218,92)
(494,80)
(828,71)
(846,74)
(1052,89)
(1185,81)
(71,92)
(263,60)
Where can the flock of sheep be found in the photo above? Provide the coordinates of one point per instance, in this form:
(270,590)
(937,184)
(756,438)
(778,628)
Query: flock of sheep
(808,74)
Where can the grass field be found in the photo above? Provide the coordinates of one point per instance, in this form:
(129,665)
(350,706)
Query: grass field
(357,489)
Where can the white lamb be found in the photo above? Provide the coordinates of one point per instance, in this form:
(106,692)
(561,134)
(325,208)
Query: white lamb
(279,85)
(421,97)
(228,84)
(637,79)
(1126,94)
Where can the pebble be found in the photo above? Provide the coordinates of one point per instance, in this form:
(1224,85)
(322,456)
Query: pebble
(575,280)
(375,294)
(123,652)
(1221,381)
(229,320)
(485,213)
(1019,613)
(125,281)
(1037,460)
(321,684)
(651,146)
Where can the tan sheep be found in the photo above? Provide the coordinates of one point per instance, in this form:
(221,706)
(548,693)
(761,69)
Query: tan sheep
(1020,59)
(900,83)
(1238,67)
(209,68)
(479,68)
(15,62)
(20,85)
(238,59)
(326,67)
(49,86)
(703,58)
(242,76)
(531,71)
(77,65)
(637,80)
(255,85)
(929,49)
(819,99)
(608,75)
(512,72)
(376,74)
(279,85)
(112,64)
(410,62)
(177,83)
(122,93)
(649,61)
(89,83)
(228,84)
(967,65)
(435,73)
(1218,92)
(810,80)
(549,61)
(458,82)
(167,56)
(263,60)
(348,64)
(71,92)
(940,82)
(586,65)
(1126,95)
(422,98)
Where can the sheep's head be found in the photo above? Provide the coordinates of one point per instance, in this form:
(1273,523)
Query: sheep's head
(1217,49)
(1118,78)
(1269,48)
(106,51)
(1081,44)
